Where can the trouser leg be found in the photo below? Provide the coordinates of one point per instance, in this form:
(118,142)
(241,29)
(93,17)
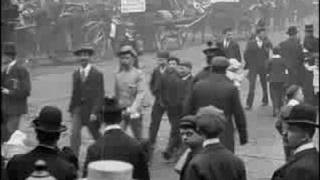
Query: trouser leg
(94,127)
(75,139)
(12,124)
(174,119)
(263,82)
(252,85)
(136,127)
(156,116)
(272,87)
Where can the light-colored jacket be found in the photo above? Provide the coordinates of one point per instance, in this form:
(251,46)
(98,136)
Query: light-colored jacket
(130,89)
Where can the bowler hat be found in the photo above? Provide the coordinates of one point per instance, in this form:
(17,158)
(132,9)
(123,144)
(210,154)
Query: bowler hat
(84,48)
(220,62)
(9,48)
(188,122)
(127,49)
(213,50)
(308,28)
(292,30)
(111,106)
(210,120)
(302,114)
(49,120)
(163,54)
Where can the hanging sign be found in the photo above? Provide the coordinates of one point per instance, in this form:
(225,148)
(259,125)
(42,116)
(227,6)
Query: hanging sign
(131,6)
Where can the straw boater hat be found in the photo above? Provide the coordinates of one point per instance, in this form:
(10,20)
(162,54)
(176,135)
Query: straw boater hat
(109,170)
(84,48)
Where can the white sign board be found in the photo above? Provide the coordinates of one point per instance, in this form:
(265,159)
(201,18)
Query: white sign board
(131,6)
(215,1)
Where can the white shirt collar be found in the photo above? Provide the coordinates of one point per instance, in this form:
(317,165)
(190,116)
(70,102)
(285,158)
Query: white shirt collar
(86,69)
(162,69)
(12,63)
(293,102)
(111,127)
(186,77)
(303,147)
(210,141)
(276,56)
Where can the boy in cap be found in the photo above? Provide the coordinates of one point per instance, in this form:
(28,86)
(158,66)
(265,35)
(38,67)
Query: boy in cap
(48,128)
(192,139)
(130,89)
(208,163)
(304,163)
(115,144)
(86,98)
(15,89)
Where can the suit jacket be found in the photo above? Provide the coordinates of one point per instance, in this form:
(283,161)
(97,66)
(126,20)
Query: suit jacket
(216,162)
(311,44)
(21,166)
(232,50)
(219,91)
(89,93)
(256,57)
(276,68)
(303,165)
(19,85)
(116,145)
(204,73)
(155,82)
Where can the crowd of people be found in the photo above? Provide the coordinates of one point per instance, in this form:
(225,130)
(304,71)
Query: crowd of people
(202,110)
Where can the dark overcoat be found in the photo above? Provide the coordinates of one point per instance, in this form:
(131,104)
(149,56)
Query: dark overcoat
(19,85)
(116,145)
(21,166)
(291,52)
(219,91)
(233,50)
(204,73)
(154,83)
(88,94)
(276,68)
(303,165)
(216,162)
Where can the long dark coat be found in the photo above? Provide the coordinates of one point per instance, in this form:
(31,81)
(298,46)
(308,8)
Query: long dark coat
(219,91)
(215,162)
(89,93)
(233,50)
(16,102)
(116,145)
(21,166)
(303,165)
(291,52)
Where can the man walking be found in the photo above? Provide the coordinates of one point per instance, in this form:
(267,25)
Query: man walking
(256,55)
(229,46)
(291,51)
(15,89)
(86,98)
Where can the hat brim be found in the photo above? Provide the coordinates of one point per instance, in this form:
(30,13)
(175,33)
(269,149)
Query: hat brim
(302,122)
(78,52)
(61,128)
(126,52)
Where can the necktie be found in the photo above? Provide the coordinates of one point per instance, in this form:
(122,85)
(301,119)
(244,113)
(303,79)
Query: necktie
(83,75)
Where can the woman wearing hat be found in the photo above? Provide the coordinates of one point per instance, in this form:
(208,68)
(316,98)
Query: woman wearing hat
(304,163)
(48,128)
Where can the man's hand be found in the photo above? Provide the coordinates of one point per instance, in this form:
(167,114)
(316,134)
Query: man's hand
(5,91)
(93,117)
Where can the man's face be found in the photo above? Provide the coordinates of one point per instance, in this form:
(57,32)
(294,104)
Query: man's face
(294,136)
(173,64)
(262,34)
(190,137)
(229,35)
(126,59)
(162,61)
(183,70)
(84,58)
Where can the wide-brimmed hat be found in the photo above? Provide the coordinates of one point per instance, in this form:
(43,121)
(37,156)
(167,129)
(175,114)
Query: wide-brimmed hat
(213,50)
(127,49)
(292,30)
(302,114)
(84,48)
(9,48)
(308,28)
(49,120)
(210,120)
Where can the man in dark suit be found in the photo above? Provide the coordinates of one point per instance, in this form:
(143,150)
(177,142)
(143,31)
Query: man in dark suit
(15,89)
(116,144)
(304,163)
(277,77)
(291,51)
(256,55)
(229,46)
(214,161)
(48,128)
(218,90)
(86,99)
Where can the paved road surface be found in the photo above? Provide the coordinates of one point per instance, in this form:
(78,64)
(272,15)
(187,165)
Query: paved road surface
(262,155)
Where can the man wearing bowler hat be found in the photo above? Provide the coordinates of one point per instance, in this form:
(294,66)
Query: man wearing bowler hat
(215,161)
(48,128)
(291,51)
(15,89)
(86,98)
(304,163)
(219,90)
(115,144)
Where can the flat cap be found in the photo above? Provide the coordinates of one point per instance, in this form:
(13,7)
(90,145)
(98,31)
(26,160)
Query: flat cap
(186,64)
(220,61)
(302,114)
(188,121)
(210,120)
(86,47)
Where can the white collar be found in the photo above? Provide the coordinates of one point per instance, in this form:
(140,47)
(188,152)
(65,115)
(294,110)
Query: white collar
(276,56)
(186,77)
(162,69)
(86,69)
(111,127)
(210,141)
(293,102)
(12,63)
(303,147)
